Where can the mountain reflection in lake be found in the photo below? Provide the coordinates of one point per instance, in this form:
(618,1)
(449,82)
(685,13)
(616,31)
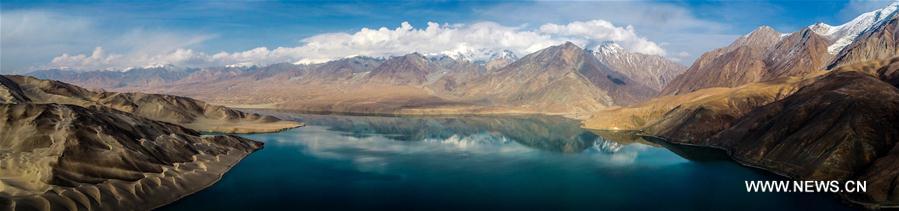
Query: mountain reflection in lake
(478,162)
(546,132)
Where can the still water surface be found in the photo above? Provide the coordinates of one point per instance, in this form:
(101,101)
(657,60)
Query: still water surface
(480,163)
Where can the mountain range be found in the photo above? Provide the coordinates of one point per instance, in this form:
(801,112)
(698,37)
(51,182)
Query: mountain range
(563,79)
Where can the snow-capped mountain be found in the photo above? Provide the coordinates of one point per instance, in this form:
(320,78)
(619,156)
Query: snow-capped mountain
(845,34)
(157,67)
(241,65)
(480,56)
(609,48)
(651,70)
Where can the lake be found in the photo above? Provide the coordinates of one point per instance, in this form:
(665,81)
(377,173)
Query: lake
(481,163)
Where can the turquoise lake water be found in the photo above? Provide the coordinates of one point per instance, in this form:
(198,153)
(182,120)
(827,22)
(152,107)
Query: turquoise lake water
(481,163)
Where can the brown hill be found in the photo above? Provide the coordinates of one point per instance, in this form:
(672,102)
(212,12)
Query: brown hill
(697,114)
(759,56)
(797,54)
(67,157)
(173,109)
(842,127)
(69,148)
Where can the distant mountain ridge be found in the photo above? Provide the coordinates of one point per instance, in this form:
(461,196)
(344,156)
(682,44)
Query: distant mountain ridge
(407,83)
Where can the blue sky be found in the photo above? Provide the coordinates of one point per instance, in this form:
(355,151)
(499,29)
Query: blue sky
(36,32)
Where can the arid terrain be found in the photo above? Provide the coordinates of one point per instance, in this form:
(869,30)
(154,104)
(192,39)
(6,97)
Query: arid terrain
(63,147)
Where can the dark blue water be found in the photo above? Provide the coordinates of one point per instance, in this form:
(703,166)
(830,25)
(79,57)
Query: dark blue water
(480,163)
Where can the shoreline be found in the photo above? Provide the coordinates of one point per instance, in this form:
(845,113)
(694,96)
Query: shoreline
(217,179)
(244,131)
(414,114)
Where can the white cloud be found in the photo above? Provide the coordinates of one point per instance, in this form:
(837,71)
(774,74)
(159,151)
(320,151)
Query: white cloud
(433,39)
(603,30)
(671,24)
(31,37)
(27,36)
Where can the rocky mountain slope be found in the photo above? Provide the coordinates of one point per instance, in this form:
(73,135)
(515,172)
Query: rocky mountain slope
(739,63)
(651,70)
(797,54)
(878,42)
(845,34)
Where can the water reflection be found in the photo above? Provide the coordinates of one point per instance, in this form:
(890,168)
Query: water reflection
(540,132)
(366,140)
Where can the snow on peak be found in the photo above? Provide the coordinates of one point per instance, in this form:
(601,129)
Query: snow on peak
(505,54)
(159,66)
(308,61)
(608,47)
(845,34)
(821,28)
(241,65)
(481,55)
(146,67)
